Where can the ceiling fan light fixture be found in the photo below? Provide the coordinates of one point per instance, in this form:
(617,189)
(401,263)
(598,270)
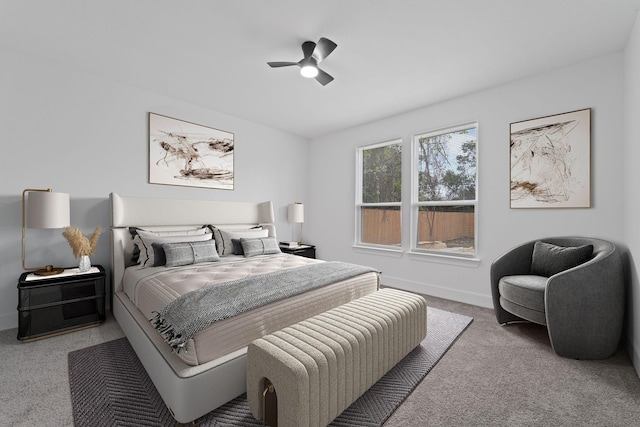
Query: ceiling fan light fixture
(314,53)
(309,71)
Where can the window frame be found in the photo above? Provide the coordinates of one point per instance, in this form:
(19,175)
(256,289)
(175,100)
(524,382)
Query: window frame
(416,204)
(359,204)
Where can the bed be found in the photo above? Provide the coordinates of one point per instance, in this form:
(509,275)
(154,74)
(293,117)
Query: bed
(209,368)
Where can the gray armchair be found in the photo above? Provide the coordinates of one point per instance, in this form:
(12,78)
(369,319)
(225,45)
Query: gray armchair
(582,307)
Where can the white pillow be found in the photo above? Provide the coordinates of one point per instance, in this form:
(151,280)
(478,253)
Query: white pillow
(223,238)
(144,240)
(176,231)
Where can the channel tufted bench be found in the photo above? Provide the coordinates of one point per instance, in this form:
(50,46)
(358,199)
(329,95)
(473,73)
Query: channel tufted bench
(320,366)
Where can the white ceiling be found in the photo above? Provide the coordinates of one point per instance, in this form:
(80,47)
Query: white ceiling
(392,56)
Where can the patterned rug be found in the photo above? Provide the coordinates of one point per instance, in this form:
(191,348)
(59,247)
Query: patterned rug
(109,386)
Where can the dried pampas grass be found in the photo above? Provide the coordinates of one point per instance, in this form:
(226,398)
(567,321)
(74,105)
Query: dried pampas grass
(81,244)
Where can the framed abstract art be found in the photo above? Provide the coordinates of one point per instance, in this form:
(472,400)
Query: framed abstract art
(184,153)
(551,161)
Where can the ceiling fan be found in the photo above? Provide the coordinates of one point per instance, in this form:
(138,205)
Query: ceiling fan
(314,53)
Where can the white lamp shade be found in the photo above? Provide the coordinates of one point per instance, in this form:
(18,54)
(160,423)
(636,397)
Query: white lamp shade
(296,212)
(46,209)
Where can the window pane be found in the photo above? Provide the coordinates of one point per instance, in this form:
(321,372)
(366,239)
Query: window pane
(447,166)
(381,225)
(446,229)
(381,174)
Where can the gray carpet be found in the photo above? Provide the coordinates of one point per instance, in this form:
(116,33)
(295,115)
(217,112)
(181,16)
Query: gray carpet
(110,387)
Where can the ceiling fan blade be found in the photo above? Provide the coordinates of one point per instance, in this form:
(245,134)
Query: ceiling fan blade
(281,64)
(323,77)
(323,49)
(307,49)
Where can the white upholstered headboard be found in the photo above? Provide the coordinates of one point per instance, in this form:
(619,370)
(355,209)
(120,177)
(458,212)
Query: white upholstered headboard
(155,212)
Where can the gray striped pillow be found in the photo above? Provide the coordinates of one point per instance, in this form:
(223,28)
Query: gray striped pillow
(185,253)
(259,246)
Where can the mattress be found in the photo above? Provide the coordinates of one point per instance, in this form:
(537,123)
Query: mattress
(152,288)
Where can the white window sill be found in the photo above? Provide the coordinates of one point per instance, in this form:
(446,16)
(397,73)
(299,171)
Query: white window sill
(379,250)
(445,259)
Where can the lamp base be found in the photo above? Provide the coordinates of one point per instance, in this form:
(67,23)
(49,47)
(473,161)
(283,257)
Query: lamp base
(49,270)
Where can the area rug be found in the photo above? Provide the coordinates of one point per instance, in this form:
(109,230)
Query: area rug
(110,387)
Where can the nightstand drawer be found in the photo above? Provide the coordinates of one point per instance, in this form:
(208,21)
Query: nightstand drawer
(308,251)
(56,305)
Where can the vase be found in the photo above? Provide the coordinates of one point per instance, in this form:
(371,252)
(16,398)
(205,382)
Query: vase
(85,263)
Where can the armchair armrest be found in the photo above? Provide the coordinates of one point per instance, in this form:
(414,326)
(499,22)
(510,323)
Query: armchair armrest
(584,307)
(513,262)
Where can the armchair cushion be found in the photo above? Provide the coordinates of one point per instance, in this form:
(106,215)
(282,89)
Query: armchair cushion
(548,259)
(525,290)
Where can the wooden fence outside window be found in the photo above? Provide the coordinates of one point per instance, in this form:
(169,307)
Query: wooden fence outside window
(382,226)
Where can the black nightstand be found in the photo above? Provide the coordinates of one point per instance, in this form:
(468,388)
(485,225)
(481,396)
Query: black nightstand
(308,251)
(59,304)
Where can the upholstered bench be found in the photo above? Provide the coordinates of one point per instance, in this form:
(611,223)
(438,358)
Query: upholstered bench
(320,366)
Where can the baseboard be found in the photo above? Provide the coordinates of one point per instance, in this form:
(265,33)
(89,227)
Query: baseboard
(439,291)
(633,353)
(635,360)
(8,321)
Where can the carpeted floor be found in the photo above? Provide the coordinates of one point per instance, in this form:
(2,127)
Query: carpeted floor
(109,386)
(493,376)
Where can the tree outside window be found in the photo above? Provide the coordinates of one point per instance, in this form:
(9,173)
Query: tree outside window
(379,194)
(444,191)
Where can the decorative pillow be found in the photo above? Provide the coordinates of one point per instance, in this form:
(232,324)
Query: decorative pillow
(223,238)
(237,247)
(177,231)
(185,253)
(146,239)
(259,246)
(549,259)
(135,255)
(159,257)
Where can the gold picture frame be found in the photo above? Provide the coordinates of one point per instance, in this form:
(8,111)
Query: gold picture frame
(550,161)
(188,154)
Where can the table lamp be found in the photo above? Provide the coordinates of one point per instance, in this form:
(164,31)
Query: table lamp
(296,215)
(44,209)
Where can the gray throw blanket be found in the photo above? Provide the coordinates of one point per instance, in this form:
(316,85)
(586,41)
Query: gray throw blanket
(192,312)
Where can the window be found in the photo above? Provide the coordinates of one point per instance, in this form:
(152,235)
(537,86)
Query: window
(444,195)
(379,194)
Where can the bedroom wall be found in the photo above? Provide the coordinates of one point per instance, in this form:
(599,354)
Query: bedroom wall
(596,84)
(631,195)
(87,135)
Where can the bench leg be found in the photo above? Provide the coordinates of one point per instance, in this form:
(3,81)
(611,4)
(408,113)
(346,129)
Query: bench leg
(269,404)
